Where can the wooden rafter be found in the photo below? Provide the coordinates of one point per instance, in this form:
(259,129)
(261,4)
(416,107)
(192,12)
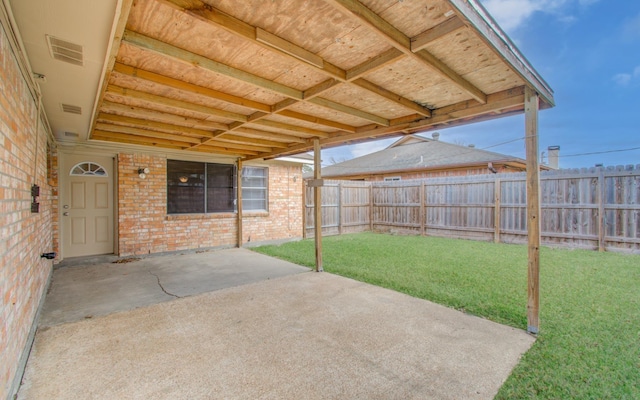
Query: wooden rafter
(275,43)
(103,127)
(146,113)
(163,80)
(165,101)
(403,43)
(449,114)
(189,58)
(423,39)
(337,83)
(149,124)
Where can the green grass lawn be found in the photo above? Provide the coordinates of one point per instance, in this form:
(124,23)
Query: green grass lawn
(589,343)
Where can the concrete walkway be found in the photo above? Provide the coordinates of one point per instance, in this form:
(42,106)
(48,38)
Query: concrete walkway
(291,334)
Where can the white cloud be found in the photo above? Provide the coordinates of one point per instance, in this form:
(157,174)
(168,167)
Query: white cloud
(631,27)
(622,79)
(627,78)
(512,14)
(362,149)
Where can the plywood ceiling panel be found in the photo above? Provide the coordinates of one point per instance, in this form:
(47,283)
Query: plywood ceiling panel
(259,79)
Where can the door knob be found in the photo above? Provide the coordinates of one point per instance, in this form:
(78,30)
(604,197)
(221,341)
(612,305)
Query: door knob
(66,214)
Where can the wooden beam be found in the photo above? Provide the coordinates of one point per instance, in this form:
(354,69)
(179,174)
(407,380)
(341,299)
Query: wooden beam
(100,126)
(533,210)
(189,58)
(259,134)
(502,46)
(122,15)
(234,146)
(285,46)
(189,87)
(317,204)
(421,40)
(379,61)
(239,201)
(396,98)
(208,14)
(319,88)
(147,113)
(317,120)
(298,130)
(452,115)
(349,110)
(141,139)
(234,138)
(400,41)
(450,74)
(165,101)
(223,150)
(154,125)
(130,140)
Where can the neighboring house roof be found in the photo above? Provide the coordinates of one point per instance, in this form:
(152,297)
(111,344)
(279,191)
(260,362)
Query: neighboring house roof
(414,153)
(304,158)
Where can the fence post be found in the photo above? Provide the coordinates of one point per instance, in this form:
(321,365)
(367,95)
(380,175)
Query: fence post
(304,209)
(497,192)
(340,208)
(370,207)
(601,211)
(423,214)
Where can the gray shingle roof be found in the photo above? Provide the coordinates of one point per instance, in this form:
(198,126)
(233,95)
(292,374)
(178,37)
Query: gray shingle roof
(417,153)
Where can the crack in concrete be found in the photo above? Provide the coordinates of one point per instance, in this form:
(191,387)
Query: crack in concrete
(162,287)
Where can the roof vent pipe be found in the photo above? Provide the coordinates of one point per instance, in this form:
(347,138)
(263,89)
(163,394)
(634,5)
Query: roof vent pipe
(473,146)
(435,135)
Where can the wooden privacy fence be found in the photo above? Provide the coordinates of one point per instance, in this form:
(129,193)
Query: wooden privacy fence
(595,208)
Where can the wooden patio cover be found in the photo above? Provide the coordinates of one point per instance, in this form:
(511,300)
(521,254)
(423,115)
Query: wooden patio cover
(261,79)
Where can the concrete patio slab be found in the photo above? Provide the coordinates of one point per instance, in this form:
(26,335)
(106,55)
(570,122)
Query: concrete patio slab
(89,287)
(302,336)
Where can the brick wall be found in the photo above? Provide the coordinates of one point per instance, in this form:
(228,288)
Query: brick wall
(23,235)
(145,228)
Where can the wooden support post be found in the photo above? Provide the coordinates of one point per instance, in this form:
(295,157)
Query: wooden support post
(239,201)
(601,211)
(531,105)
(497,192)
(317,203)
(423,213)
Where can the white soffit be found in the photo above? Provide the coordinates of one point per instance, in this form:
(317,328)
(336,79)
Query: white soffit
(66,41)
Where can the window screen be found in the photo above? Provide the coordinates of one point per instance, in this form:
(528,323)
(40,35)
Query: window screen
(254,188)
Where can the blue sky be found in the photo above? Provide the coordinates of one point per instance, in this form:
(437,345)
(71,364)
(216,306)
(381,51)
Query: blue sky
(589,53)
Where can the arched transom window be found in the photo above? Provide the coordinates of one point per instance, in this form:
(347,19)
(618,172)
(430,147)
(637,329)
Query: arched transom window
(88,169)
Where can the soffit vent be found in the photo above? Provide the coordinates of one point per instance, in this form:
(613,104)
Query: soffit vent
(71,109)
(65,51)
(71,134)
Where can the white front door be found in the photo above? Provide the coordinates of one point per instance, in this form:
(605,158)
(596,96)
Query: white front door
(87,205)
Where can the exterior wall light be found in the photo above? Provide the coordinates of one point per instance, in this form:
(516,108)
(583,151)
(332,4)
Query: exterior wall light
(142,172)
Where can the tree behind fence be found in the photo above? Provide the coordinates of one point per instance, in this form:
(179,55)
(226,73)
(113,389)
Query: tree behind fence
(595,208)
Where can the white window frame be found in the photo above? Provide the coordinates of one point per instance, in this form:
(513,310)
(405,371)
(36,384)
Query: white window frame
(246,201)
